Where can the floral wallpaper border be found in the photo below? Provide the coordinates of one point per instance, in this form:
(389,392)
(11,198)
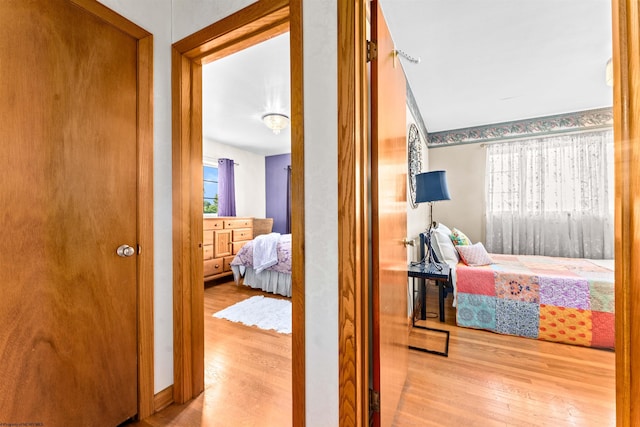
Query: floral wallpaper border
(581,120)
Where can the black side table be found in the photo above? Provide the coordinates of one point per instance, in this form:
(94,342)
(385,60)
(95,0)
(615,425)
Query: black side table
(441,274)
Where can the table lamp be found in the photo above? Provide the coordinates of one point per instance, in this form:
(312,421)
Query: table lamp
(431,187)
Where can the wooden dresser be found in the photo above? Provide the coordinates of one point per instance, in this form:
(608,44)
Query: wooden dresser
(222,238)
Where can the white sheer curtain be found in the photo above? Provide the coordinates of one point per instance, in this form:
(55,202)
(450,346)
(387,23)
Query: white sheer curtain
(551,196)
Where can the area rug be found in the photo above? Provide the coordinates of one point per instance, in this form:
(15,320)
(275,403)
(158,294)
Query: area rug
(265,313)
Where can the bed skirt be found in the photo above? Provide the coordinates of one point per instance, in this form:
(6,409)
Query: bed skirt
(267,280)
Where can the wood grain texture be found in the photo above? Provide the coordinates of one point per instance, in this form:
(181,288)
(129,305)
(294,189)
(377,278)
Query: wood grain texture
(195,225)
(501,380)
(118,21)
(257,18)
(162,399)
(145,228)
(247,375)
(182,262)
(389,220)
(145,199)
(364,292)
(352,215)
(362,215)
(253,24)
(77,110)
(271,28)
(626,64)
(297,213)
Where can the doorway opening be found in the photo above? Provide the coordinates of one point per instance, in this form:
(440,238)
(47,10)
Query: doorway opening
(247,345)
(625,60)
(249,26)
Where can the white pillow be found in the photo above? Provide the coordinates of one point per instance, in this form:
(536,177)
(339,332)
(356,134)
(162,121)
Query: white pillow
(443,246)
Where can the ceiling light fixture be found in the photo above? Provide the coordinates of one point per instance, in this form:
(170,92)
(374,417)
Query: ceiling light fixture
(609,73)
(275,121)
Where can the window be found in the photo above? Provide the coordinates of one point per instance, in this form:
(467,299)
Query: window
(551,196)
(210,186)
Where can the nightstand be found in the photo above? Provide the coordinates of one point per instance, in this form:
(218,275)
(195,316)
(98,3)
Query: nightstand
(441,274)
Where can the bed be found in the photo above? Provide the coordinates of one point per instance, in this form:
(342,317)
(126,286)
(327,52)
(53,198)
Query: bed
(554,299)
(564,300)
(275,278)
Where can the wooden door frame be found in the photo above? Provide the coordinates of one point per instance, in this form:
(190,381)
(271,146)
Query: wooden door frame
(353,214)
(626,117)
(353,205)
(144,215)
(251,25)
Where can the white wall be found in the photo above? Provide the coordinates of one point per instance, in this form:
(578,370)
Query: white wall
(321,207)
(249,174)
(418,218)
(465,166)
(190,16)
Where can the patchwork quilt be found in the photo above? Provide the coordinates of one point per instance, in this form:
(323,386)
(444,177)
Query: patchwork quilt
(555,299)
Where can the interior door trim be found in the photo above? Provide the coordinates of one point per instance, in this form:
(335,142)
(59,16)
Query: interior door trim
(626,125)
(255,23)
(144,198)
(353,214)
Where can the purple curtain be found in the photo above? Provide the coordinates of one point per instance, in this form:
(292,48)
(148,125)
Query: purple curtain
(226,188)
(288,226)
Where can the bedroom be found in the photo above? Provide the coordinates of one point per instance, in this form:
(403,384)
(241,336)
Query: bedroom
(246,179)
(522,89)
(541,94)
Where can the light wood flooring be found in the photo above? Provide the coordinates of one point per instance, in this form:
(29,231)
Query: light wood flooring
(487,380)
(247,371)
(498,380)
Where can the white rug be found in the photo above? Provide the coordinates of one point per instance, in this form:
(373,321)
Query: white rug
(265,313)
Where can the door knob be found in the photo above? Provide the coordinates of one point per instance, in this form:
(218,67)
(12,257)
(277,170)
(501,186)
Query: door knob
(407,242)
(125,251)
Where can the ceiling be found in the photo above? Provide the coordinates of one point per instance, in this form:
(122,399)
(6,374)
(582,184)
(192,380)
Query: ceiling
(239,89)
(482,62)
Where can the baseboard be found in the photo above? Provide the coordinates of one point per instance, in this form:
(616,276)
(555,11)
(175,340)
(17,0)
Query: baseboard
(163,399)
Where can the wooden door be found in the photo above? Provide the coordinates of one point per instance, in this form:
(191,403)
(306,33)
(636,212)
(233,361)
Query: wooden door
(389,221)
(68,102)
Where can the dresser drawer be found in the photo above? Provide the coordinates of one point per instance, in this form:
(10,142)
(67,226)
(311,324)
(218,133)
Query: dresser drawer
(226,266)
(207,252)
(213,266)
(238,223)
(237,246)
(242,234)
(213,224)
(207,237)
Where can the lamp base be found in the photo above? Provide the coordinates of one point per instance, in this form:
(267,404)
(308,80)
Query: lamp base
(430,258)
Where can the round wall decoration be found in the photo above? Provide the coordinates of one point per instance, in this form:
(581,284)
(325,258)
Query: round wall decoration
(414,162)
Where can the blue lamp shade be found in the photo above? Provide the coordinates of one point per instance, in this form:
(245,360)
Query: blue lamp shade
(432,186)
